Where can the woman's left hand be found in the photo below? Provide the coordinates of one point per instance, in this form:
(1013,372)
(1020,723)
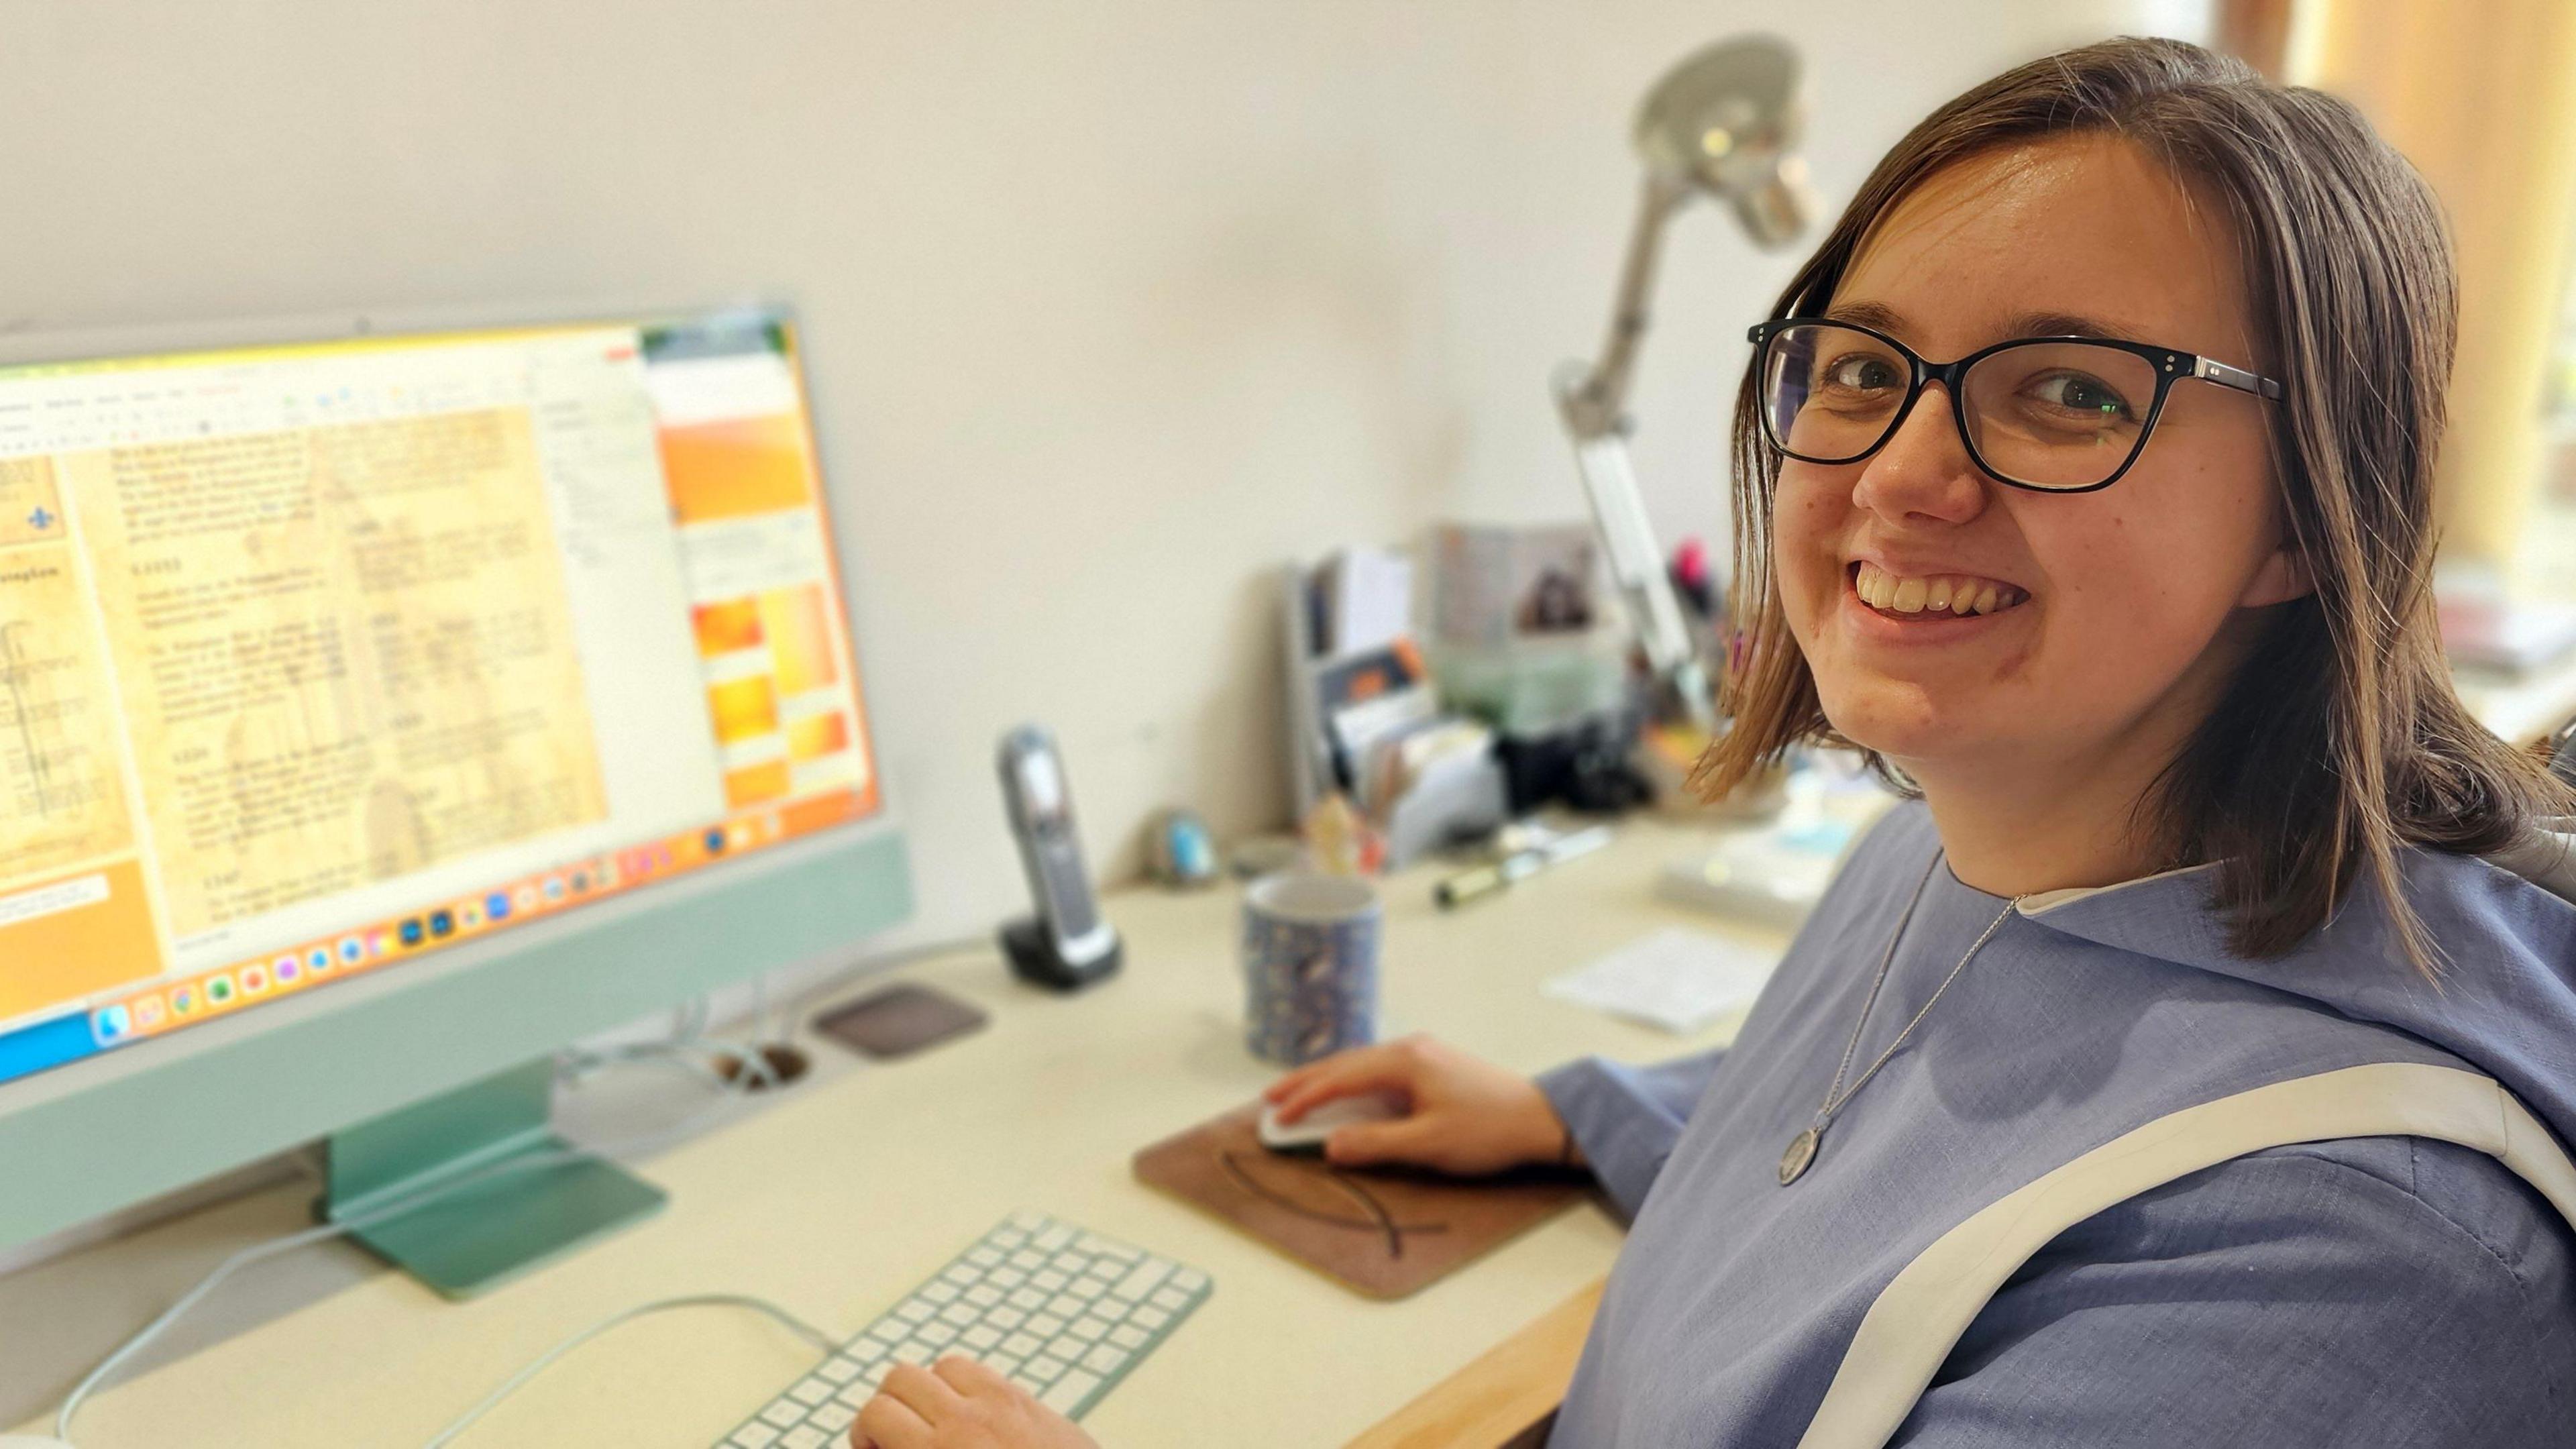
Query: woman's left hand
(958,1403)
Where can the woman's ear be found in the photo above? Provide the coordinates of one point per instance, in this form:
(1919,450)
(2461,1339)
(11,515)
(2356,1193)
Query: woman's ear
(2283,576)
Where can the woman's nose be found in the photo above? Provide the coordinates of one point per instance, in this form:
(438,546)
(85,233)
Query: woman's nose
(1923,472)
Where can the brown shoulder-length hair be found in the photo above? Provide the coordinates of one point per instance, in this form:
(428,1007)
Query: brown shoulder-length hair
(2340,739)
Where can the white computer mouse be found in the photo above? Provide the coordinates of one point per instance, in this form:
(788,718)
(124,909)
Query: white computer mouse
(1307,1133)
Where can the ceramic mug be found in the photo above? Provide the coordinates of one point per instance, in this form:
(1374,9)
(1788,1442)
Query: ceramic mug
(1309,966)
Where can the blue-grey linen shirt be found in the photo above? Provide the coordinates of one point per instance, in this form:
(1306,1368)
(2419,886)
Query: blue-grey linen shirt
(2367,1292)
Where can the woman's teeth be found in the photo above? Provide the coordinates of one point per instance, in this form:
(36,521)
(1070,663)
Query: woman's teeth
(1938,593)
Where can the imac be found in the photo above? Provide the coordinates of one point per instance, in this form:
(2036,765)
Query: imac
(381,710)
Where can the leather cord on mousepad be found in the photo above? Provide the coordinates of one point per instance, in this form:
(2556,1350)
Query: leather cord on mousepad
(1384,1232)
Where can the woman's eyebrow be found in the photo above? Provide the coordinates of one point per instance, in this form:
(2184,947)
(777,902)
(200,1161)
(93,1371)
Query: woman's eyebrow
(2024,324)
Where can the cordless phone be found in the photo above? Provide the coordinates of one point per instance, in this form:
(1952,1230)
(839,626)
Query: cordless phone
(1066,944)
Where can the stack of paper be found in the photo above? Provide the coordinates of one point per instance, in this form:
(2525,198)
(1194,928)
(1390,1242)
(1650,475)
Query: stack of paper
(1678,980)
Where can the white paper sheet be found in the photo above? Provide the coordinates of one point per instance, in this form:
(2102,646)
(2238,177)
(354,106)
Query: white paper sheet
(1675,979)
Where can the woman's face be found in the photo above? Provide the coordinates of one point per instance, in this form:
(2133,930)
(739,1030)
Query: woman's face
(2123,633)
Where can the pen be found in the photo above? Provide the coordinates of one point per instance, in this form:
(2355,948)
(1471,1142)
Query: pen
(1467,885)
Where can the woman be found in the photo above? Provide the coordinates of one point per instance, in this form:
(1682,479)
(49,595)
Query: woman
(2137,1086)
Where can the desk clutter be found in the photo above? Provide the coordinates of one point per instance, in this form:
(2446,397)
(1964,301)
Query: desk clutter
(1380,1232)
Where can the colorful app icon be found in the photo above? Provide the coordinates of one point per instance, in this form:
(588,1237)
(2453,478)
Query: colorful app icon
(286,969)
(219,989)
(527,898)
(715,841)
(317,960)
(554,888)
(147,1012)
(497,905)
(442,923)
(470,915)
(411,932)
(379,942)
(109,1023)
(183,1001)
(254,980)
(352,950)
(607,874)
(580,882)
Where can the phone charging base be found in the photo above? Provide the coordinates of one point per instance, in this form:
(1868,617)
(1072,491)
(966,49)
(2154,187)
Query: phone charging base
(1034,958)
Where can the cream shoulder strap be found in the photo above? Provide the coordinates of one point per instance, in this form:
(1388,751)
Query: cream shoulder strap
(1919,1317)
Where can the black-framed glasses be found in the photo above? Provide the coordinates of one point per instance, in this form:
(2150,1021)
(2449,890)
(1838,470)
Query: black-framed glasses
(2056,414)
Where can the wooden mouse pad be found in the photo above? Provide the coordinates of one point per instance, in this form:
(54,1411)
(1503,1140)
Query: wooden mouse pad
(1384,1232)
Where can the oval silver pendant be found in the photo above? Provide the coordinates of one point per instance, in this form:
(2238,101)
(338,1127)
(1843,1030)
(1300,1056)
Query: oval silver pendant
(1802,1150)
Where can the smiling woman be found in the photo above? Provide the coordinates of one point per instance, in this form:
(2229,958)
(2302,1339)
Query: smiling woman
(2193,1062)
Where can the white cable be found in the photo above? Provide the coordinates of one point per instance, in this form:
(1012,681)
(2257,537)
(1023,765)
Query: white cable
(519,1380)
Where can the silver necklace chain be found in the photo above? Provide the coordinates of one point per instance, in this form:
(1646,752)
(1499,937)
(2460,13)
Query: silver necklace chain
(1803,1147)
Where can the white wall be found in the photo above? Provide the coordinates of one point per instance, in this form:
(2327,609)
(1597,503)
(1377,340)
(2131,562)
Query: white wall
(1112,303)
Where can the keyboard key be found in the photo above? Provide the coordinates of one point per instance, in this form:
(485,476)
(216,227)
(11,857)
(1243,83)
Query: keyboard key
(1043,1368)
(1055,1236)
(786,1413)
(1150,1318)
(804,1436)
(912,1351)
(839,1370)
(1112,1309)
(1046,1325)
(983,1257)
(1069,1348)
(1171,1298)
(984,1335)
(1088,1288)
(1006,1319)
(983,1295)
(1144,1278)
(918,1310)
(1128,1335)
(1049,1282)
(753,1436)
(1066,1394)
(1065,1305)
(1003,1364)
(1189,1280)
(833,1418)
(961,1275)
(812,1391)
(1006,1278)
(937,1335)
(959,1314)
(1085,1327)
(1104,1359)
(1028,1260)
(868,1350)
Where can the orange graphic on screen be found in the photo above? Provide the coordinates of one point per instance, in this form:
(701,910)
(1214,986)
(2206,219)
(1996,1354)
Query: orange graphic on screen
(758,783)
(817,735)
(737,467)
(800,638)
(69,937)
(743,709)
(728,627)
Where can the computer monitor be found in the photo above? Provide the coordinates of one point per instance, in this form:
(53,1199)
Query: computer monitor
(380,712)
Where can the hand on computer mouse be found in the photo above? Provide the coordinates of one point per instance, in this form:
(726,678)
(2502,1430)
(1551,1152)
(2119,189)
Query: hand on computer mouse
(958,1403)
(1468,1116)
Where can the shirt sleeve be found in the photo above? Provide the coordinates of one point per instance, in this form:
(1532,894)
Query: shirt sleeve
(1626,1118)
(2288,1299)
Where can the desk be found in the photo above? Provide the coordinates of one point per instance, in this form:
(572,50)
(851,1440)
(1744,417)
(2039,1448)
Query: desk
(849,1190)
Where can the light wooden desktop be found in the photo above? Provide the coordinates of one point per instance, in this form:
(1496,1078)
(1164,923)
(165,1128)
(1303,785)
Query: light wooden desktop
(846,1192)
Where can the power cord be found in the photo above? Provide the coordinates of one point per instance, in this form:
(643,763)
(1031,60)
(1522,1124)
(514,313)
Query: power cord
(547,1360)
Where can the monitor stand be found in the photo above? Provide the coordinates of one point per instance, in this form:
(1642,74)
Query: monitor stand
(512,1220)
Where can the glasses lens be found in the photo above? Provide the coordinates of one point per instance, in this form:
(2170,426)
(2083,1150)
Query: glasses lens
(1830,394)
(2059,414)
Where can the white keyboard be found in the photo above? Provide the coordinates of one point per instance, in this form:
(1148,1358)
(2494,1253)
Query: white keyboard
(1061,1312)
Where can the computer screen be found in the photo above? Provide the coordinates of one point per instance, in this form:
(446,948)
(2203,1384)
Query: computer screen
(316,658)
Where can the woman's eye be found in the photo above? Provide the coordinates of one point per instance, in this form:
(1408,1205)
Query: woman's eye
(2076,393)
(1862,372)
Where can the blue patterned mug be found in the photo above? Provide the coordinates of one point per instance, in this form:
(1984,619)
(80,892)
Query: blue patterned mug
(1309,966)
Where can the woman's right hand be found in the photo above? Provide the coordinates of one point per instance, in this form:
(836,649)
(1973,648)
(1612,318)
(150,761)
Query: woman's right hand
(1465,1115)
